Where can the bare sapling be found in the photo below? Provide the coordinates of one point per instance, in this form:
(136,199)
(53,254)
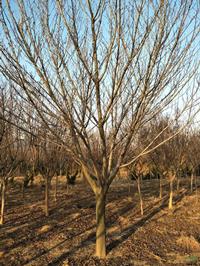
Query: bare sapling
(177,183)
(140,194)
(191,181)
(138,170)
(56,188)
(3,194)
(160,187)
(171,178)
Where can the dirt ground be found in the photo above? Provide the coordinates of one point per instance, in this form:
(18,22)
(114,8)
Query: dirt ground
(67,236)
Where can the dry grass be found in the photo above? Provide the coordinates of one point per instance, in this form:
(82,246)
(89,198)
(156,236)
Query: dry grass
(189,243)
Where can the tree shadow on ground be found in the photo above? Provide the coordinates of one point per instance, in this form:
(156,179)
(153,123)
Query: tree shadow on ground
(150,211)
(126,233)
(57,213)
(86,242)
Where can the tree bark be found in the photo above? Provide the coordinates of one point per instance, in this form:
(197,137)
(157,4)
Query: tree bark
(3,192)
(56,188)
(178,184)
(171,194)
(100,225)
(161,188)
(46,196)
(191,182)
(140,195)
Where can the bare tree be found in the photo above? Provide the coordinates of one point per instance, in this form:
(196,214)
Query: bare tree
(3,146)
(171,156)
(8,147)
(170,175)
(138,170)
(102,68)
(193,156)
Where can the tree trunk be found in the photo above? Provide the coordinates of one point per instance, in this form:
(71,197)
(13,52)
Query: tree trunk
(3,192)
(46,196)
(161,188)
(56,188)
(140,195)
(171,194)
(191,182)
(100,225)
(178,184)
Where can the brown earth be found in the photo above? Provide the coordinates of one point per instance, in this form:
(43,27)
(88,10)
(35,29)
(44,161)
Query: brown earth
(67,236)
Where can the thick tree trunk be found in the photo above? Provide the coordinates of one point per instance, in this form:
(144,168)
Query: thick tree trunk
(3,192)
(100,225)
(171,194)
(46,196)
(140,195)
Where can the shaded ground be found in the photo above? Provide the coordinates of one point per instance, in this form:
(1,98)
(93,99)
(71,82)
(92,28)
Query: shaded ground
(67,236)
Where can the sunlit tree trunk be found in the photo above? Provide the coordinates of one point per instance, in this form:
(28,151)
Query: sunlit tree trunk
(3,193)
(171,194)
(191,182)
(100,225)
(140,195)
(161,188)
